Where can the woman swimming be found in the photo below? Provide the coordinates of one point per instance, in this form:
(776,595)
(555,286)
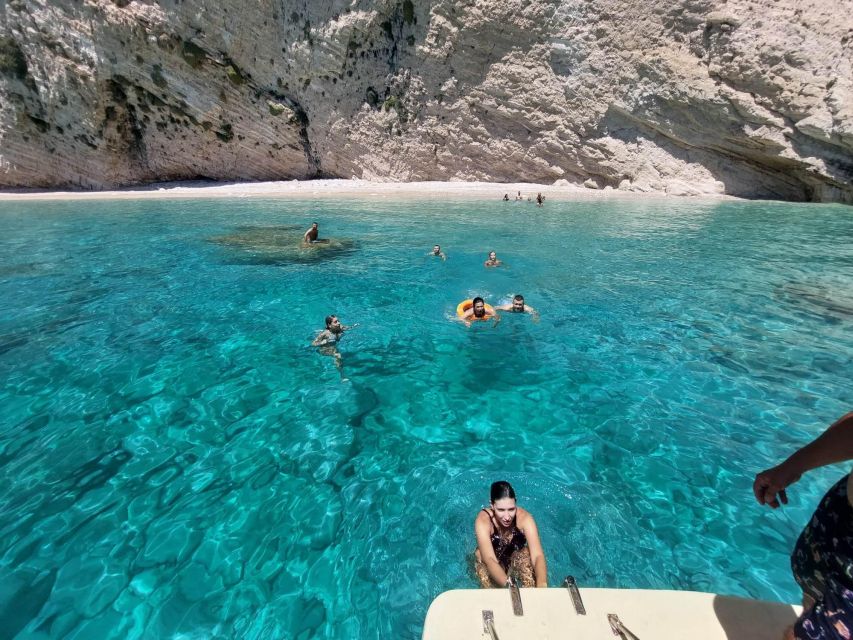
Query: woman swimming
(492,261)
(508,542)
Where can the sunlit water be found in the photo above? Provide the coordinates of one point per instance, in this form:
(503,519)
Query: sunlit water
(177,462)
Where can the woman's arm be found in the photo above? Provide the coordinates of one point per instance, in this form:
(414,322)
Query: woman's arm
(482,528)
(833,445)
(321,339)
(537,554)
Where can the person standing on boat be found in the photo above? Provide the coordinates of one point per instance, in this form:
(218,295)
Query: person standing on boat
(822,560)
(508,542)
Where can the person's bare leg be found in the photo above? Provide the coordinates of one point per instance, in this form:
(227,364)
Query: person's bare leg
(482,572)
(522,567)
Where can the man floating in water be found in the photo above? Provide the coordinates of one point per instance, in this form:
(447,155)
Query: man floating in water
(437,252)
(517,306)
(328,338)
(479,311)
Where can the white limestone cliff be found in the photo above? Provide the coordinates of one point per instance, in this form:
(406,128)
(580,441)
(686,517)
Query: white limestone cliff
(745,97)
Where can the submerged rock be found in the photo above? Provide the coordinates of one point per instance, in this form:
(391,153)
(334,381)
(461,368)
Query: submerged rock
(280,245)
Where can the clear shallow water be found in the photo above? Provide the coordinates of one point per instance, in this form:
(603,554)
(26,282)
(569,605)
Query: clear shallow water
(175,461)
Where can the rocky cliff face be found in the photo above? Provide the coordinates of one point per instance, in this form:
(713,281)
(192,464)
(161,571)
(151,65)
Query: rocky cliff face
(746,97)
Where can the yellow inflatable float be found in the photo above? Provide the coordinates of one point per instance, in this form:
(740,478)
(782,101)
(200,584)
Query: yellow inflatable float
(465,305)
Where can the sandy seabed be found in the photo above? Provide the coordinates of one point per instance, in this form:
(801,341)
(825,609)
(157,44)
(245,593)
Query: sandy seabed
(337,188)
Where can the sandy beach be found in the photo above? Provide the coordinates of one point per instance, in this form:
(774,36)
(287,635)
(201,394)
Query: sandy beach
(338,188)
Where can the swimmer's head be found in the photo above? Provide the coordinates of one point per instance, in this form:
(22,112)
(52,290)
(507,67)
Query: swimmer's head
(518,303)
(503,502)
(436,250)
(313,225)
(493,256)
(479,307)
(332,323)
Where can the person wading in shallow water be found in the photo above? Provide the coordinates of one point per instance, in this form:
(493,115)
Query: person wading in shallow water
(508,542)
(822,560)
(328,339)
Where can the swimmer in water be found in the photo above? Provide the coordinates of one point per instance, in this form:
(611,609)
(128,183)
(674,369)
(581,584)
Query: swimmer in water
(539,199)
(517,306)
(311,235)
(328,339)
(493,260)
(508,542)
(437,252)
(506,197)
(478,311)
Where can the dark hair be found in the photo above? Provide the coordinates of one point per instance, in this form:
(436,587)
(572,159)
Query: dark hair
(476,300)
(329,320)
(519,297)
(502,489)
(313,223)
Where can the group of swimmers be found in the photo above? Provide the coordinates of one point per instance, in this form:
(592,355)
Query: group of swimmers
(477,310)
(539,198)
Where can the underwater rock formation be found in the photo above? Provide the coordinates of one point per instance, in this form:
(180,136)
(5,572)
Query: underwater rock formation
(746,97)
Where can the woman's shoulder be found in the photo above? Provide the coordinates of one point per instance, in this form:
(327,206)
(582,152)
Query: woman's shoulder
(483,517)
(523,516)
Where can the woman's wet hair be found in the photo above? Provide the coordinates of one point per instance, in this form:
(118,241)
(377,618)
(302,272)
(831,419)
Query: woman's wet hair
(476,300)
(502,489)
(329,320)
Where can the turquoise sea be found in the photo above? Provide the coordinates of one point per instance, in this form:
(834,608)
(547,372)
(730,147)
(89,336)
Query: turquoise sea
(177,462)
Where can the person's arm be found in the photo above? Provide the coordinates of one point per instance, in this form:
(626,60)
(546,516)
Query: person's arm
(537,554)
(497,319)
(833,445)
(487,552)
(504,307)
(349,326)
(305,236)
(321,339)
(443,257)
(532,312)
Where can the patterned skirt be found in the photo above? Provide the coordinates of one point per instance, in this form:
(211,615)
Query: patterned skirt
(822,562)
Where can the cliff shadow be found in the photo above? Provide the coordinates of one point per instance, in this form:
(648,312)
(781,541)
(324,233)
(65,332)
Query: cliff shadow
(742,176)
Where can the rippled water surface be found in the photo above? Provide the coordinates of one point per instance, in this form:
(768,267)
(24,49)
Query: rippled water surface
(177,462)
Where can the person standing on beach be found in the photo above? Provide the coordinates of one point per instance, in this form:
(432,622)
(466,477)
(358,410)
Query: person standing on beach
(822,560)
(312,234)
